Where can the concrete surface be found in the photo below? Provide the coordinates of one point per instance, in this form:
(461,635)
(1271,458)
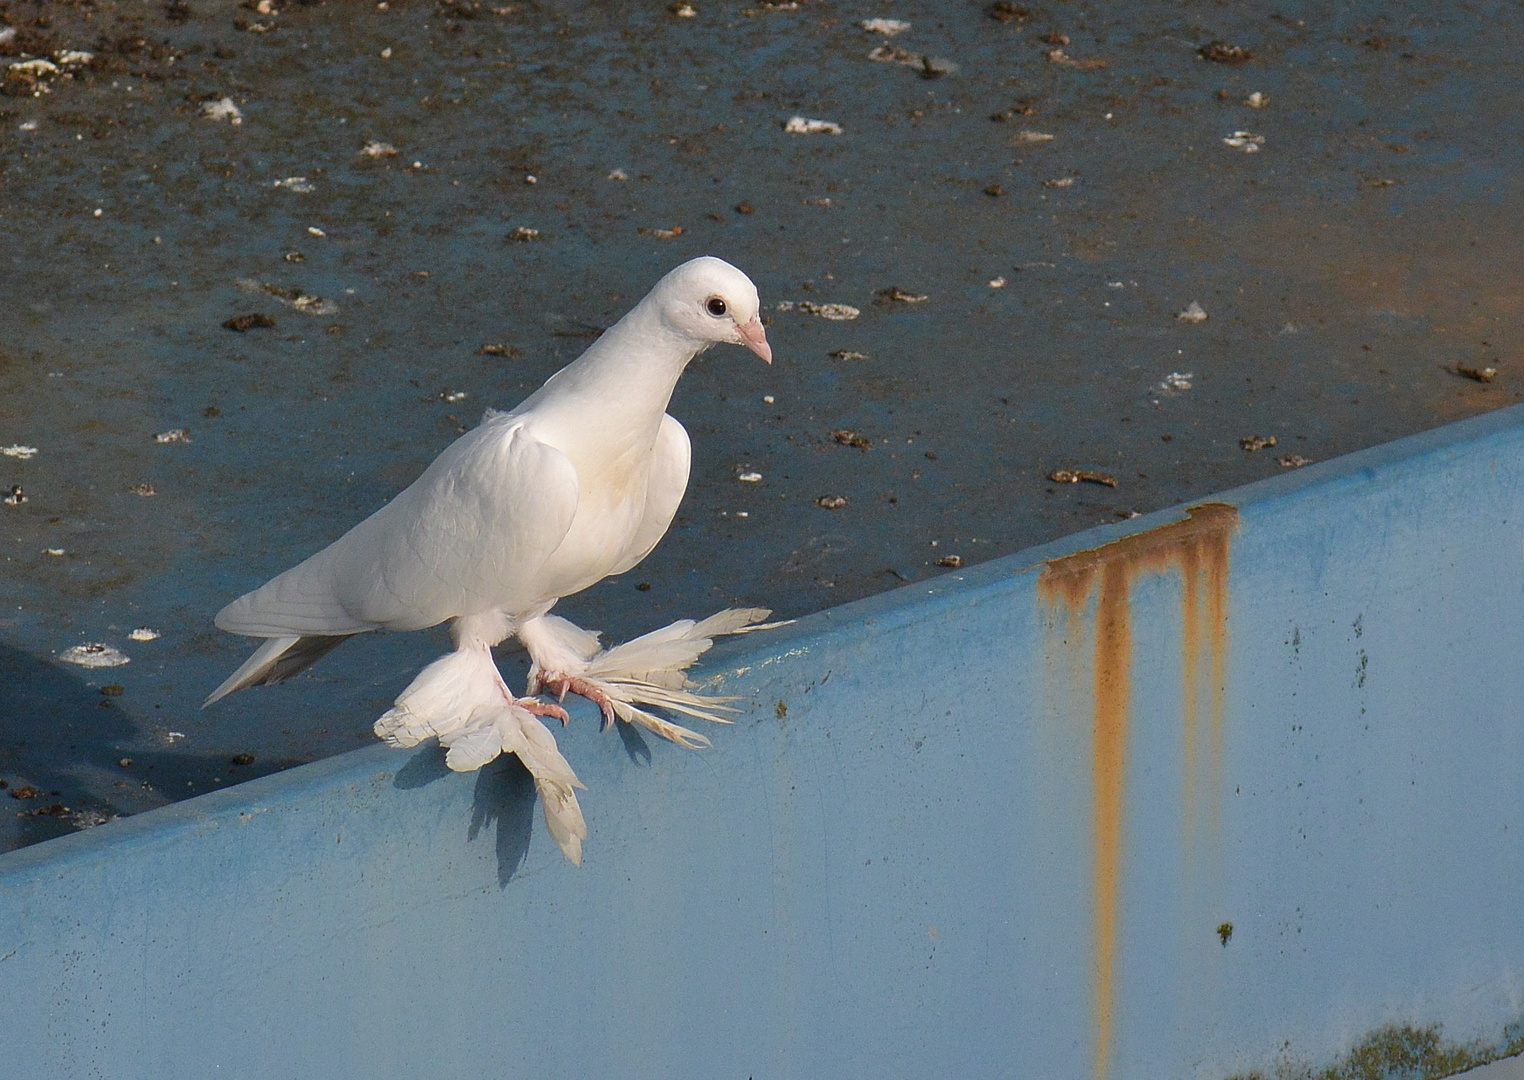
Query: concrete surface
(1507,1069)
(1369,244)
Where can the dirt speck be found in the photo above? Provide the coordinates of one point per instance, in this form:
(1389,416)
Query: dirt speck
(253,321)
(1476,374)
(1005,11)
(1089,476)
(1221,52)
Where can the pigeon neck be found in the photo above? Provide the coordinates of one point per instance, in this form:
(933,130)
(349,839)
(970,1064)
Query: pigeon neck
(634,367)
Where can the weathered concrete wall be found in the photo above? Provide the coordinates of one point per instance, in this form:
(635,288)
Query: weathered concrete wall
(1174,798)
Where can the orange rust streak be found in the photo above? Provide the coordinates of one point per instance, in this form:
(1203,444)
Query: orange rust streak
(1216,553)
(1113,662)
(1190,569)
(1199,542)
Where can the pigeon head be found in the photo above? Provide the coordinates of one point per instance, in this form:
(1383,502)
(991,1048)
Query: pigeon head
(709,301)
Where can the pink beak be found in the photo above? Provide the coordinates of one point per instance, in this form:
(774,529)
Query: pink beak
(755,338)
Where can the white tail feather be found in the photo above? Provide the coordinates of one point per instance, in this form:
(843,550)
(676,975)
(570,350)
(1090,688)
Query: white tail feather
(254,668)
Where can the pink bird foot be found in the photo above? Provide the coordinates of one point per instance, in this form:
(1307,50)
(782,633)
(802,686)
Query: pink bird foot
(543,708)
(560,684)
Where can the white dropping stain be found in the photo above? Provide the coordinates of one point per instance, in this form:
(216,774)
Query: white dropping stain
(174,435)
(931,66)
(834,312)
(887,27)
(143,633)
(1177,380)
(800,125)
(25,453)
(222,109)
(298,184)
(375,149)
(89,819)
(34,67)
(94,654)
(296,298)
(1246,141)
(750,478)
(1193,313)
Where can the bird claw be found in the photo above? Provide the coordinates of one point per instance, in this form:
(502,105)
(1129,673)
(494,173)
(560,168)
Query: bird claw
(562,684)
(542,708)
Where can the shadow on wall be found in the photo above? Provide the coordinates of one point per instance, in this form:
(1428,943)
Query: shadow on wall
(505,796)
(73,756)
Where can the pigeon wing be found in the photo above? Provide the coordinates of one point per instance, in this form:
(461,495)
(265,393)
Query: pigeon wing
(469,535)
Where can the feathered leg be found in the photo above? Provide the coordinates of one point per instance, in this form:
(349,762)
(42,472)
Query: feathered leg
(462,700)
(650,670)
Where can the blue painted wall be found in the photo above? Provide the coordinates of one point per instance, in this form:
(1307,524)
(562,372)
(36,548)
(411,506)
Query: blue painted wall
(900,870)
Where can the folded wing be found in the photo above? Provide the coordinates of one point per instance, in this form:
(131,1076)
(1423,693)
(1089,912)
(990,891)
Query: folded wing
(470,534)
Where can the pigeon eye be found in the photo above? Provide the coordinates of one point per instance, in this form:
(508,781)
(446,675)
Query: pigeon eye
(716,307)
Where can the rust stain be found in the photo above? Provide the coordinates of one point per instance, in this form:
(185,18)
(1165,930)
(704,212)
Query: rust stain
(1198,548)
(1215,551)
(1190,573)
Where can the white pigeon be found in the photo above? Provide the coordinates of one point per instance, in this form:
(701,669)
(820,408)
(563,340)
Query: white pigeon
(577,483)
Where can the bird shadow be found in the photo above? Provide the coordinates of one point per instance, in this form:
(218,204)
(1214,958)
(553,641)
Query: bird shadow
(504,797)
(635,743)
(422,768)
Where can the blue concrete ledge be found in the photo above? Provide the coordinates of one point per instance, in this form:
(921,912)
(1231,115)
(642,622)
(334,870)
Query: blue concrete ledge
(1181,797)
